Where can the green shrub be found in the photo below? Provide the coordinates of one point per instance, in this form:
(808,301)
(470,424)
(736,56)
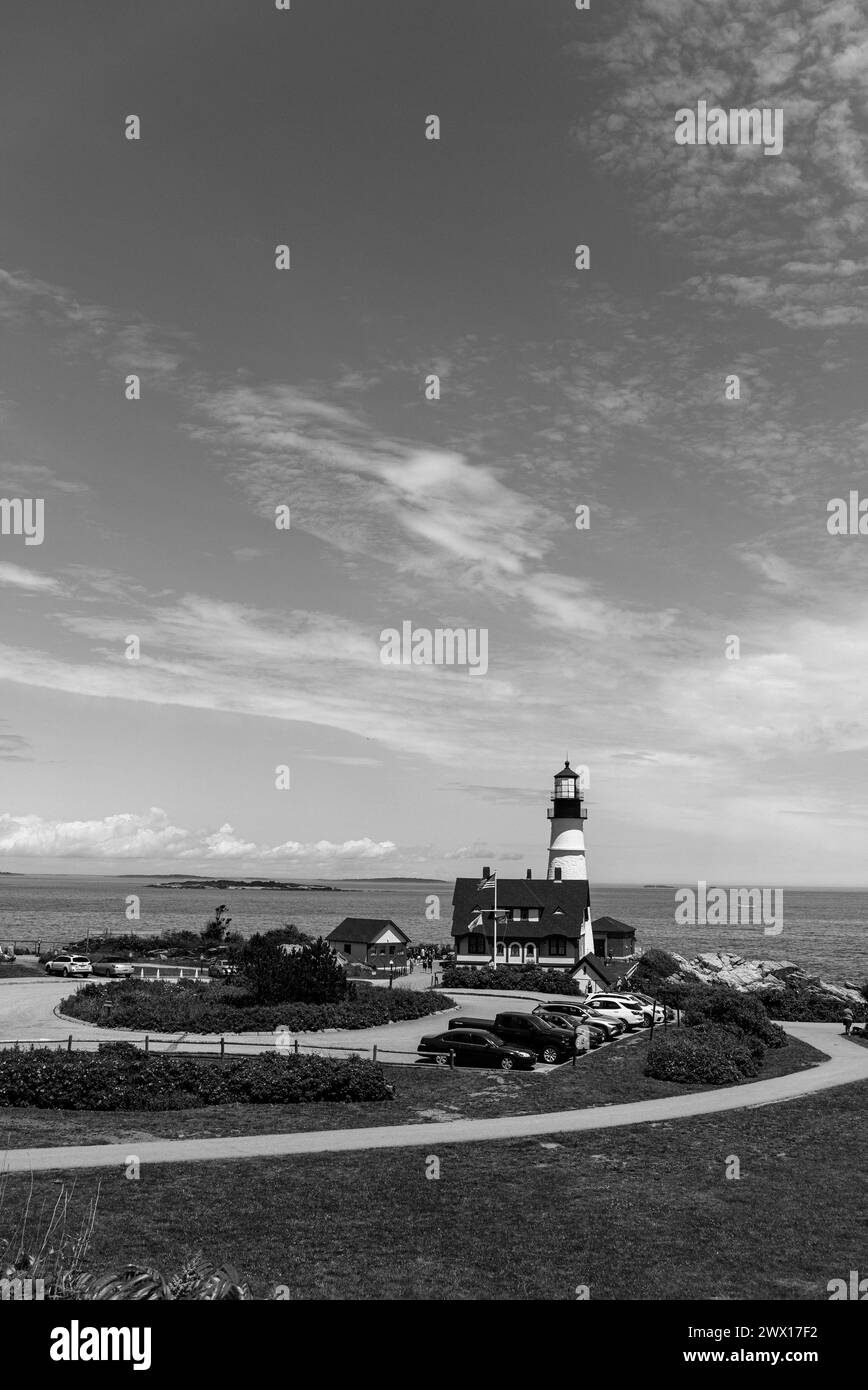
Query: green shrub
(191,1006)
(732,1008)
(706,1053)
(525,977)
(655,965)
(118,1080)
(309,975)
(802,1004)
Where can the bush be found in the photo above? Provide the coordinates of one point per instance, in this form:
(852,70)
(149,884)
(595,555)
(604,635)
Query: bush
(706,1053)
(310,975)
(655,965)
(526,977)
(190,1006)
(118,1080)
(732,1008)
(801,1004)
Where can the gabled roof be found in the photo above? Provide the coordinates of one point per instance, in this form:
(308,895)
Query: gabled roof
(612,927)
(364,929)
(571,896)
(594,965)
(608,972)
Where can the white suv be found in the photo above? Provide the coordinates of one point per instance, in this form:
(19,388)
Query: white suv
(613,1006)
(65,964)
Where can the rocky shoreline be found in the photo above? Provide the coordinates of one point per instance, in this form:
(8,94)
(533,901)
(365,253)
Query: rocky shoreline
(725,968)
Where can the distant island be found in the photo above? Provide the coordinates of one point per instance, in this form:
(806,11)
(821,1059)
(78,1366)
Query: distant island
(271,885)
(394,879)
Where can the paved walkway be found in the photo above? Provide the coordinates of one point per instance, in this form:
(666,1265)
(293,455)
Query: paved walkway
(27,1015)
(846,1062)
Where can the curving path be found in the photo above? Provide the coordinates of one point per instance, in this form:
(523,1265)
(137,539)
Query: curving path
(846,1062)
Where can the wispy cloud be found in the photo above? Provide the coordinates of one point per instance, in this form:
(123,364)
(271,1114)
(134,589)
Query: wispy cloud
(17,577)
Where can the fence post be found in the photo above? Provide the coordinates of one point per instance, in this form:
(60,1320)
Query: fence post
(374,1053)
(146,1042)
(69,1043)
(295,1046)
(451,1059)
(222,1047)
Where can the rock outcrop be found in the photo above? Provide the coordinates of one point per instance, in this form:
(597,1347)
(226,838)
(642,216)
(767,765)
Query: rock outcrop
(723,968)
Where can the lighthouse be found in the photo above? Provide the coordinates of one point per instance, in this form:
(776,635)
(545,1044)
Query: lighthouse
(567,841)
(568,816)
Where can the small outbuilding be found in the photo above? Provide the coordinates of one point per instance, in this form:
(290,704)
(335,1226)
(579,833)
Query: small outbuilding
(613,940)
(374,941)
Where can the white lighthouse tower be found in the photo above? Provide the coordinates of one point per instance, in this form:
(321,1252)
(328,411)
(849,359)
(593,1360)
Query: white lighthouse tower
(567,841)
(568,816)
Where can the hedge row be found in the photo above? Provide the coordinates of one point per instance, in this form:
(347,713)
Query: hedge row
(122,1077)
(799,1005)
(189,1006)
(526,977)
(707,1053)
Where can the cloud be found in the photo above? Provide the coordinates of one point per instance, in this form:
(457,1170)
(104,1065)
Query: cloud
(19,578)
(155,351)
(152,836)
(13,748)
(307,667)
(733,203)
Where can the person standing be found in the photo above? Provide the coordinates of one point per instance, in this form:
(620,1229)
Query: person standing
(848,1022)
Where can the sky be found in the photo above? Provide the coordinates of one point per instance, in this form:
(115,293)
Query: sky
(560,388)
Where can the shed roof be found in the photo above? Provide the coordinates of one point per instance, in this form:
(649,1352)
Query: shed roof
(612,927)
(364,929)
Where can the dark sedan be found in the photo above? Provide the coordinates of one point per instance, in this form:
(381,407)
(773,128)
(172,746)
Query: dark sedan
(474,1048)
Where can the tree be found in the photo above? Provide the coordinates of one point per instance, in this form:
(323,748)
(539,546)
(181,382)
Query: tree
(316,976)
(311,974)
(289,934)
(216,927)
(267,970)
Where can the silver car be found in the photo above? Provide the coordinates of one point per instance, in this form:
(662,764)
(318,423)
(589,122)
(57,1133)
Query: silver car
(65,964)
(112,967)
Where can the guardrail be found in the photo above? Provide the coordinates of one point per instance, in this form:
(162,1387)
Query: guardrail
(219,1047)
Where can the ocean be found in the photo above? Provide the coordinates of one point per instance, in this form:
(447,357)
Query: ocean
(823,930)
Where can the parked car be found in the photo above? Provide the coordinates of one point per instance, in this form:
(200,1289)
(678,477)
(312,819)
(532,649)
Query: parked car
(612,1027)
(221,970)
(66,964)
(613,1006)
(647,1006)
(598,1032)
(112,967)
(473,1047)
(548,1042)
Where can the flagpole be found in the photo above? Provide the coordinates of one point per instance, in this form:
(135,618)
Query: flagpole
(494,958)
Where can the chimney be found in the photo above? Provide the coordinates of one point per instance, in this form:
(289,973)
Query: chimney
(557,875)
(486,872)
(529,873)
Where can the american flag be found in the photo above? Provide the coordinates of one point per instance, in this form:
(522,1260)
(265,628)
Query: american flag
(487,882)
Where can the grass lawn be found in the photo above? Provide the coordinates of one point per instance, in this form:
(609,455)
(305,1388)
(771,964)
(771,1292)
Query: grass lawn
(607,1077)
(642,1212)
(22,970)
